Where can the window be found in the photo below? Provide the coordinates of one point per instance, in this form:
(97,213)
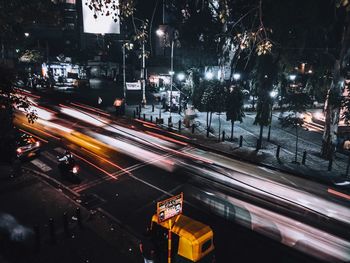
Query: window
(206,245)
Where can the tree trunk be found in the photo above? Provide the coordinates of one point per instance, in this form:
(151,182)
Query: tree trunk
(296,144)
(260,136)
(232,127)
(219,125)
(332,111)
(207,119)
(210,118)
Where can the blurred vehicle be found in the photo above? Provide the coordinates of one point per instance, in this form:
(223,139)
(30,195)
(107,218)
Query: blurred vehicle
(27,146)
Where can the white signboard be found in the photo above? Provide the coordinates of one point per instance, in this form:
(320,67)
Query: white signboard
(133,85)
(102,24)
(169,208)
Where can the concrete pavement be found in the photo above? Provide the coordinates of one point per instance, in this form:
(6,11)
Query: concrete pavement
(40,223)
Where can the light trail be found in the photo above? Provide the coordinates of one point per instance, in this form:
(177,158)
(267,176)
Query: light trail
(90,108)
(91,119)
(167,138)
(41,131)
(334,192)
(97,167)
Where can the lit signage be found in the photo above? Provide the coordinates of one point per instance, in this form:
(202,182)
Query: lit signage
(169,208)
(102,24)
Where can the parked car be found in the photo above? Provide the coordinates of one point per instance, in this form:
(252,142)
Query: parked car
(27,146)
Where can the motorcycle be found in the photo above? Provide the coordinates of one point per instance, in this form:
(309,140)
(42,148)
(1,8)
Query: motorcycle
(67,166)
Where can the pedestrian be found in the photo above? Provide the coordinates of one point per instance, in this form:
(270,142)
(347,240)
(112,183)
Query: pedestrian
(147,247)
(163,100)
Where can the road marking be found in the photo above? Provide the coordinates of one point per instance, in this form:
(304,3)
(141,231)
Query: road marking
(50,156)
(117,174)
(331,191)
(41,165)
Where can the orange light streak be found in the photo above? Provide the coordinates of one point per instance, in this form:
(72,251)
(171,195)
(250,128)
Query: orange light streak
(106,160)
(97,167)
(145,122)
(39,130)
(331,191)
(167,138)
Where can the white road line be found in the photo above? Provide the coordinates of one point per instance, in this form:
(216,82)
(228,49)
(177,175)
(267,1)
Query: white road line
(41,165)
(50,156)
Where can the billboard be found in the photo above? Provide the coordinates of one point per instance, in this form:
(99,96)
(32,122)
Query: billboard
(102,24)
(133,85)
(169,208)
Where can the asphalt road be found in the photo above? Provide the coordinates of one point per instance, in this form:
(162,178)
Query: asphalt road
(125,169)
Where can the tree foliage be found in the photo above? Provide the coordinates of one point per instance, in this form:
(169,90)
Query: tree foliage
(10,101)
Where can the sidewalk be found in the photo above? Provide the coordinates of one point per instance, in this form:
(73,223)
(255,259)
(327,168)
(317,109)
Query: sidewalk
(26,234)
(315,168)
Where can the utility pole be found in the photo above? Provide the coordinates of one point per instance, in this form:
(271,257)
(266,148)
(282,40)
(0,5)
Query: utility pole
(171,73)
(124,79)
(143,72)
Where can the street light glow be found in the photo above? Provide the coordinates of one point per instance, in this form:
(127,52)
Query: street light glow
(273,94)
(292,77)
(181,76)
(26,34)
(160,33)
(236,76)
(209,75)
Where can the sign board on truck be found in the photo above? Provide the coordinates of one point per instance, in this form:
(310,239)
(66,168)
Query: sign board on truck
(169,208)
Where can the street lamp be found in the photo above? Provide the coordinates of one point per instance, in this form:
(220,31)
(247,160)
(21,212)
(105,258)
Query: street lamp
(209,75)
(292,77)
(273,95)
(161,33)
(181,76)
(129,46)
(26,34)
(236,76)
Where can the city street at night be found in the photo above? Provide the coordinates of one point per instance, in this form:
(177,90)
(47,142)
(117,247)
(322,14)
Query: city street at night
(174,131)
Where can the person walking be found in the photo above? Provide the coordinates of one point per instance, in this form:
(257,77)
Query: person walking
(148,248)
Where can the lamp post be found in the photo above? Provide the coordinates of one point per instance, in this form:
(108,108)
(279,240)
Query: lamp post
(273,95)
(125,45)
(161,33)
(143,73)
(124,78)
(143,61)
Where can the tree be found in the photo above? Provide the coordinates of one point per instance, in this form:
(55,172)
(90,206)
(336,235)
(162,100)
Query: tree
(334,93)
(297,105)
(14,16)
(213,100)
(266,74)
(10,101)
(234,106)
